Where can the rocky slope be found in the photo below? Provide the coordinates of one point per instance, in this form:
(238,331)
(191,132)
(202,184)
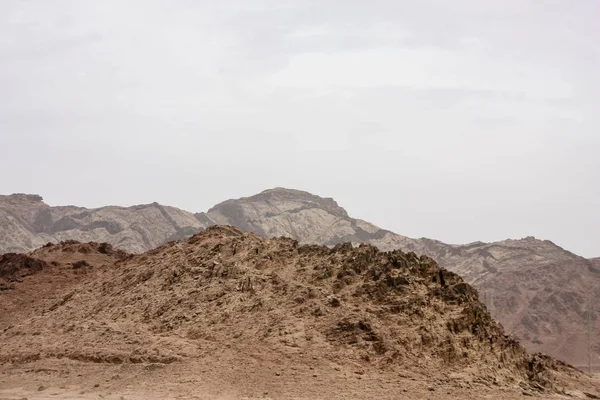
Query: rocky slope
(26,223)
(229,299)
(537,290)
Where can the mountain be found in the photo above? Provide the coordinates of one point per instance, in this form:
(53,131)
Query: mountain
(541,293)
(26,223)
(229,314)
(303,217)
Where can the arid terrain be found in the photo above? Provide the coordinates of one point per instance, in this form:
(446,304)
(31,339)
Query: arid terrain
(540,292)
(228,314)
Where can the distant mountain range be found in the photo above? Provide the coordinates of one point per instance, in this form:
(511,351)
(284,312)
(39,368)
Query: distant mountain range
(540,292)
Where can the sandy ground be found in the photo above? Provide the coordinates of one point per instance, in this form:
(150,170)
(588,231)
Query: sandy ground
(65,379)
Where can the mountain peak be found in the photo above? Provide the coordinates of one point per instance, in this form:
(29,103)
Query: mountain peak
(287,200)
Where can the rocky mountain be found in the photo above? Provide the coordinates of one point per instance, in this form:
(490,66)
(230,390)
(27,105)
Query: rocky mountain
(540,292)
(26,223)
(303,217)
(237,315)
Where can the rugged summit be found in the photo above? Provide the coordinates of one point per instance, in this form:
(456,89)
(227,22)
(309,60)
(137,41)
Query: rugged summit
(227,298)
(540,292)
(303,217)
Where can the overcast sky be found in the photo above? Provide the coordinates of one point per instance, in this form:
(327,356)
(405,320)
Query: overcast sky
(457,120)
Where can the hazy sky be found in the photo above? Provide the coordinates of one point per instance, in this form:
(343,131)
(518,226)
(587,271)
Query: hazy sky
(456,120)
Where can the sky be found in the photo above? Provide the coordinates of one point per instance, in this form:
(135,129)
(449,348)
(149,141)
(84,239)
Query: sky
(457,120)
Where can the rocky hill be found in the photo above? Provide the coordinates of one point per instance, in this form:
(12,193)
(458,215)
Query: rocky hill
(537,290)
(268,316)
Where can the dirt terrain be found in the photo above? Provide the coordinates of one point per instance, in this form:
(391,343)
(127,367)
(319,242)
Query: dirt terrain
(228,314)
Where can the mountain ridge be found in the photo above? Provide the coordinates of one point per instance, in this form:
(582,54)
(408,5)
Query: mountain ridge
(26,223)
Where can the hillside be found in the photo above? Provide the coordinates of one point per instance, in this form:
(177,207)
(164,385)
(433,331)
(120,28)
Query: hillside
(537,290)
(31,282)
(232,313)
